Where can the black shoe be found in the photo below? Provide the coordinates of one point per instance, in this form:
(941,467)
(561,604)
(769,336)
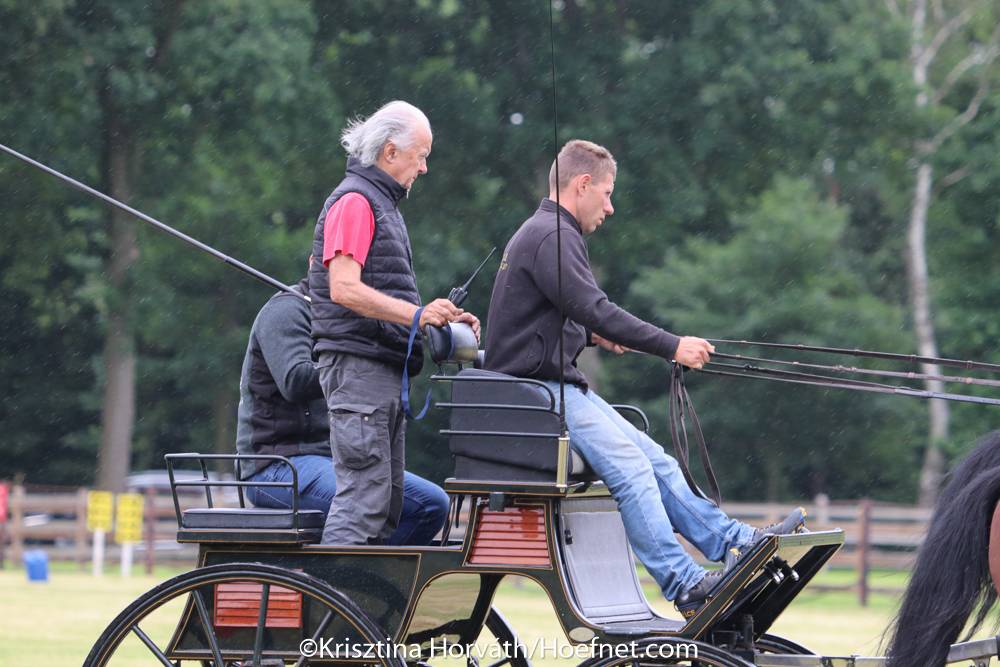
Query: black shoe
(795,522)
(694,598)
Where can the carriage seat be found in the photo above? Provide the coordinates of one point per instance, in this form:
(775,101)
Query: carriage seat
(250,524)
(504,428)
(250,518)
(238,524)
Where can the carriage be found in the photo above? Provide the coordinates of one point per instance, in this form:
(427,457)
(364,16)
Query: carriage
(265,593)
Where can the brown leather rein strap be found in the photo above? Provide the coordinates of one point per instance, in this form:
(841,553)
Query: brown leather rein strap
(761,373)
(855,370)
(680,408)
(892,356)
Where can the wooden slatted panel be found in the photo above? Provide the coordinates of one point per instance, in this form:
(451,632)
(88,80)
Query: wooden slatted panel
(515,536)
(237,605)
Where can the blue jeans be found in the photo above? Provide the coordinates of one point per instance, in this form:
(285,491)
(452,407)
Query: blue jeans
(425,504)
(653,497)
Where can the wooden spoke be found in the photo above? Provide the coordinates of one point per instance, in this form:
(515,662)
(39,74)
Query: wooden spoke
(151,645)
(316,635)
(258,640)
(206,623)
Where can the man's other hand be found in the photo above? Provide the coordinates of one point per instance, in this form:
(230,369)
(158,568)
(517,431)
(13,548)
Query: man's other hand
(439,312)
(471,320)
(693,352)
(608,345)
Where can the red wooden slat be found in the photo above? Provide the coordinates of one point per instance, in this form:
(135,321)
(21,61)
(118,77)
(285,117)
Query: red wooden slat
(237,605)
(513,536)
(510,560)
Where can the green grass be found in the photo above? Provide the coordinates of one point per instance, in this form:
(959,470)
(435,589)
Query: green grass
(56,623)
(829,623)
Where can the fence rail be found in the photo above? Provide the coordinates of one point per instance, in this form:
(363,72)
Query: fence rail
(877,535)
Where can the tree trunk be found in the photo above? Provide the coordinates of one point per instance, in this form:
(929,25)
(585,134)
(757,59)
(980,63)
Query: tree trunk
(118,403)
(917,276)
(931,471)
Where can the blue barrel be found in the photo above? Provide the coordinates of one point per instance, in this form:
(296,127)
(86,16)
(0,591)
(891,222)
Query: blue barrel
(36,562)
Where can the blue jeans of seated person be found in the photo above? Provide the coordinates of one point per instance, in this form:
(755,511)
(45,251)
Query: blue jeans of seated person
(653,497)
(425,504)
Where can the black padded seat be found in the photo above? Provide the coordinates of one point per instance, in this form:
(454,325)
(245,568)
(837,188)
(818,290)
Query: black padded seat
(475,468)
(506,429)
(250,525)
(249,518)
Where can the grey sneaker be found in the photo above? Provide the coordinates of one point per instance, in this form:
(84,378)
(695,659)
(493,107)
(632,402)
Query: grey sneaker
(690,601)
(795,522)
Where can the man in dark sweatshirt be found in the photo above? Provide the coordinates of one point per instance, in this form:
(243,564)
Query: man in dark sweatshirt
(522,339)
(282,411)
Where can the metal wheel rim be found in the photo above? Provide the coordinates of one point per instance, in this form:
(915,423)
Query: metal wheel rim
(123,624)
(707,655)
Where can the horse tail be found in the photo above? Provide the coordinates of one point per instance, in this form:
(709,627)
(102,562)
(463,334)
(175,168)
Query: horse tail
(951,578)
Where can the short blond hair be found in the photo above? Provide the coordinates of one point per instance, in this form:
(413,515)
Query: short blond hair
(581,157)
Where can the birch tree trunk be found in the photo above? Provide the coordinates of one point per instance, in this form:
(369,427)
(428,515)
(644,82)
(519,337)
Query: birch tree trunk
(919,290)
(929,33)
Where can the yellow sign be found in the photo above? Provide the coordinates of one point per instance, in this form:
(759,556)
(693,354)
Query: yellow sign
(99,504)
(128,519)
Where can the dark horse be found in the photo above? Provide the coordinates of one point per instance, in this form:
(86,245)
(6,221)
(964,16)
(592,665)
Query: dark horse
(951,579)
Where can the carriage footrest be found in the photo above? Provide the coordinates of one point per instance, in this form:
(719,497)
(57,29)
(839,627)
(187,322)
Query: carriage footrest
(250,524)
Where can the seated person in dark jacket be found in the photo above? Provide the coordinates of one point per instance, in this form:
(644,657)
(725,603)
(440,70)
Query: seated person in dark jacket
(522,339)
(282,411)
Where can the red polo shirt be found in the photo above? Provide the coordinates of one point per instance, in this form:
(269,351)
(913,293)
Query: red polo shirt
(348,229)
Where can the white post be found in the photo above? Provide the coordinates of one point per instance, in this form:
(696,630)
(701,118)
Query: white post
(97,554)
(127,559)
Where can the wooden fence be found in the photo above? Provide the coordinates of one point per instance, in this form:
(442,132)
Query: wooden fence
(877,535)
(56,521)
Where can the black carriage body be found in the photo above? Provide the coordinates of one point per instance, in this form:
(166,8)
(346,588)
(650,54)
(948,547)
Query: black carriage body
(571,542)
(535,511)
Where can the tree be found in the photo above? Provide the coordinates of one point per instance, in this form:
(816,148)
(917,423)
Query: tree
(154,79)
(951,55)
(785,275)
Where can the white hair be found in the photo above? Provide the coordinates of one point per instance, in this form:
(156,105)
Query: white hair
(396,122)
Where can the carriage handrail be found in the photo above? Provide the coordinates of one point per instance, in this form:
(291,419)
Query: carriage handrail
(624,407)
(489,378)
(495,406)
(207,483)
(498,434)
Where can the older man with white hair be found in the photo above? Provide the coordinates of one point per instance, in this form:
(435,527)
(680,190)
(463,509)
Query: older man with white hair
(364,301)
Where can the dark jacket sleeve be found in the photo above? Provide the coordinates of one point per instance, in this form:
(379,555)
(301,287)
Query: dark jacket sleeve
(586,304)
(285,338)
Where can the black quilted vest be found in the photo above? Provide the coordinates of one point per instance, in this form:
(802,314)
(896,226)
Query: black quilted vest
(388,268)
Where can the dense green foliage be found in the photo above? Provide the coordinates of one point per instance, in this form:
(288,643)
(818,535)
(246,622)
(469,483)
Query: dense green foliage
(764,183)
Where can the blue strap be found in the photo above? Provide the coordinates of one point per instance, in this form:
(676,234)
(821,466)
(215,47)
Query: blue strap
(404,392)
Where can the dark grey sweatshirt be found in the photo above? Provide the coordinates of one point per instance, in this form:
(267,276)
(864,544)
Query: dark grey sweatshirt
(282,410)
(522,329)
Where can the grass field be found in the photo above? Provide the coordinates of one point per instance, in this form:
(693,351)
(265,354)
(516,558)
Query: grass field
(55,623)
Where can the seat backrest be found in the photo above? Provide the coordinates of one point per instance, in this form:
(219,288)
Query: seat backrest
(503,419)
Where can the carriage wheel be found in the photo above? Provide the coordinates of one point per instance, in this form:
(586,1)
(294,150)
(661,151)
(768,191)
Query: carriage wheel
(277,595)
(655,651)
(507,640)
(776,644)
